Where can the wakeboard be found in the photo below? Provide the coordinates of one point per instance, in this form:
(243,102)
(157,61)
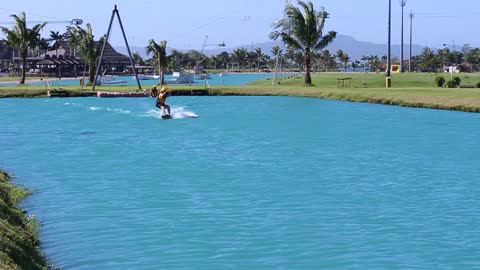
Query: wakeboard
(166,116)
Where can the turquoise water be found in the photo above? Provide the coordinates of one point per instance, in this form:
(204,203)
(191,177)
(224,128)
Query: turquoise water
(216,79)
(252,183)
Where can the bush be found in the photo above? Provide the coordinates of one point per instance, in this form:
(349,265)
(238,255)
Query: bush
(457,81)
(439,81)
(478,85)
(451,84)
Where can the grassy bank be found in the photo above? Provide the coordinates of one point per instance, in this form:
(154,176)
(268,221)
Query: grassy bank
(448,99)
(19,244)
(408,89)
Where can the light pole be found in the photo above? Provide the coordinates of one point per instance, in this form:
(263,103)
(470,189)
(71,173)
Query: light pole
(402,4)
(389,79)
(410,58)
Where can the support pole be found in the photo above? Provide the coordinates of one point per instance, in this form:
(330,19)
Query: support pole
(128,49)
(99,62)
(410,58)
(402,4)
(389,61)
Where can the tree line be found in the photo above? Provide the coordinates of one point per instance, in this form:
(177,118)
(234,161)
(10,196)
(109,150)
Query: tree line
(301,31)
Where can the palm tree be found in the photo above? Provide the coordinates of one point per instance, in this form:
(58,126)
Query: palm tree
(160,51)
(343,58)
(251,59)
(303,32)
(176,58)
(84,42)
(240,55)
(224,58)
(340,56)
(260,55)
(373,62)
(138,59)
(56,37)
(296,57)
(22,38)
(43,45)
(277,51)
(327,59)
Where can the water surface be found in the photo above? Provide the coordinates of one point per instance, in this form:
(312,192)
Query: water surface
(252,183)
(215,79)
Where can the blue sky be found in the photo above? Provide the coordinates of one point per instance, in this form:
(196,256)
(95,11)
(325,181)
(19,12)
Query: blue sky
(185,23)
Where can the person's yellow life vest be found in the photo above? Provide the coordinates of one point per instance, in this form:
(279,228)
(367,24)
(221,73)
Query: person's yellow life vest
(161,98)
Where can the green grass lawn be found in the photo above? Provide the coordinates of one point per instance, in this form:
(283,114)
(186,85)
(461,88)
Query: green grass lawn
(376,80)
(408,89)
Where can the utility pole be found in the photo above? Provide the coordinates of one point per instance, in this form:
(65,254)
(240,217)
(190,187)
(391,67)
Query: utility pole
(410,58)
(455,52)
(389,63)
(402,4)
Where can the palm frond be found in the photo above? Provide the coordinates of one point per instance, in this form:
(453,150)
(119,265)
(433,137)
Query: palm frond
(325,40)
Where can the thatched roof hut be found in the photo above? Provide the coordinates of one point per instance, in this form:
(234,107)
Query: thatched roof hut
(65,52)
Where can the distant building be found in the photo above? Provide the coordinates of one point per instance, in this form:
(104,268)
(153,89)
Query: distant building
(62,60)
(64,54)
(6,54)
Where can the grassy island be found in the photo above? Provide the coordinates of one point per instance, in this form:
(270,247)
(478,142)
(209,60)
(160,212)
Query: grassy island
(19,244)
(408,89)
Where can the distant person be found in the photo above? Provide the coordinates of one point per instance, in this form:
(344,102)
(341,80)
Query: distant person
(160,103)
(154,91)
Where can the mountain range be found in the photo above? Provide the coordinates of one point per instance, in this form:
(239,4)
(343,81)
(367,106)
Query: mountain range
(354,48)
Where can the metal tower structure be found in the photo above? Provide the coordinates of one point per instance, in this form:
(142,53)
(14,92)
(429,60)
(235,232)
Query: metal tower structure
(99,63)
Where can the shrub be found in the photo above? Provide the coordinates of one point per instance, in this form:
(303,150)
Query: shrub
(457,80)
(451,84)
(478,85)
(439,81)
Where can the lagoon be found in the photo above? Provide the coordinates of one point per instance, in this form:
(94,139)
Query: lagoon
(252,183)
(216,79)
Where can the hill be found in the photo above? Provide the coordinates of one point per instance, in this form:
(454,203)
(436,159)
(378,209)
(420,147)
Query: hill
(355,48)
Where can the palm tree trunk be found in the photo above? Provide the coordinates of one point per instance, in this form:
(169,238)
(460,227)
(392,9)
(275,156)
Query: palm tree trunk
(161,71)
(23,56)
(162,76)
(91,74)
(308,78)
